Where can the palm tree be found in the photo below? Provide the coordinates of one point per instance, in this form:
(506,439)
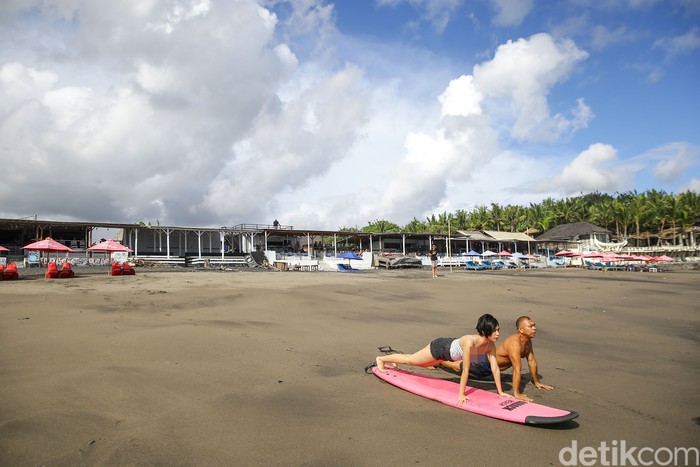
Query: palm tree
(496,214)
(657,205)
(603,214)
(381,226)
(415,226)
(480,219)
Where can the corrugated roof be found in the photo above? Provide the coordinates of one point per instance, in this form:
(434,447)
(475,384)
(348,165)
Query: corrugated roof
(476,235)
(509,236)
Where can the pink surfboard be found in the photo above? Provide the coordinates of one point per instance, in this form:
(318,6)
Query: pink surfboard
(480,402)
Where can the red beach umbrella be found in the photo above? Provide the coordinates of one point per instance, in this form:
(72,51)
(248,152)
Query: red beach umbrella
(563,253)
(2,248)
(504,253)
(110,246)
(48,245)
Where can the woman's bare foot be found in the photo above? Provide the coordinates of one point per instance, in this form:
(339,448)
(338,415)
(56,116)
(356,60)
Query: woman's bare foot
(380,365)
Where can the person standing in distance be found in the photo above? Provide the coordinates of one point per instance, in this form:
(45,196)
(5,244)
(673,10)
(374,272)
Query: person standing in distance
(434,260)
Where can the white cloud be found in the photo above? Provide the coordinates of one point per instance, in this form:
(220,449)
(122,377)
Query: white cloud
(524,71)
(679,45)
(693,185)
(592,170)
(602,36)
(461,98)
(436,12)
(511,12)
(674,160)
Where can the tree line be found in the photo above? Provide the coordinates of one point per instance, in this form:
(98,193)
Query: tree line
(640,216)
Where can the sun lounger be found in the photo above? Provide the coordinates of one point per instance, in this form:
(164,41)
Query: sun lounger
(346,268)
(127,270)
(606,266)
(473,266)
(491,265)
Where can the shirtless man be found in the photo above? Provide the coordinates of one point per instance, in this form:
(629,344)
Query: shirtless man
(510,353)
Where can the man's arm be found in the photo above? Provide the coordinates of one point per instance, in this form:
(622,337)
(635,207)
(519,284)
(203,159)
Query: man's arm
(532,364)
(514,356)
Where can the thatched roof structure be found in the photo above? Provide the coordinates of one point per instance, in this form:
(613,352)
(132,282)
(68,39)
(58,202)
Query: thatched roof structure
(572,232)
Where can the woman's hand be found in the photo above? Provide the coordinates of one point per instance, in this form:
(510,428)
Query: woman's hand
(462,399)
(523,397)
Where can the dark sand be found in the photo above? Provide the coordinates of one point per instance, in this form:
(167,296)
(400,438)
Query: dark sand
(266,368)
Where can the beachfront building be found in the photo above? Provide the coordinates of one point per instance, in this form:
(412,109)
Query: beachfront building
(578,236)
(194,246)
(493,240)
(583,237)
(250,244)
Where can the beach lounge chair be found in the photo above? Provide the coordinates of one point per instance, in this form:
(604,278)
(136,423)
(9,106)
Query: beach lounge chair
(605,266)
(67,270)
(116,269)
(10,272)
(52,271)
(127,270)
(346,268)
(471,265)
(490,265)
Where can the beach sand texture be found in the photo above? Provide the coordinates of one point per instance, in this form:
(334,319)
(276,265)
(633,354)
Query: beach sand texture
(267,368)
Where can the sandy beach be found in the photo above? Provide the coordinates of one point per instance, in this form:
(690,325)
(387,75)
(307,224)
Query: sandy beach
(267,367)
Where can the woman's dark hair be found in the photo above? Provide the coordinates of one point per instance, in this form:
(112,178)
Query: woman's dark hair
(486,325)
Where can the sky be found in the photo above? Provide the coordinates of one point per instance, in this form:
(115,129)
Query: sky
(325,115)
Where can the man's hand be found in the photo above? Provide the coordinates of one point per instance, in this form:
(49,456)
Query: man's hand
(546,387)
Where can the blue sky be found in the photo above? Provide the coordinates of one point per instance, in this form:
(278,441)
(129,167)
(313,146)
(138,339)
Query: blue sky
(334,114)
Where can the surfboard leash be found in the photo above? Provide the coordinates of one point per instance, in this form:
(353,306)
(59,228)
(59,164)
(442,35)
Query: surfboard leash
(386,349)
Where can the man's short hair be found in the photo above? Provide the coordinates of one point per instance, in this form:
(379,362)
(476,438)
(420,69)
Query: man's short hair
(520,320)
